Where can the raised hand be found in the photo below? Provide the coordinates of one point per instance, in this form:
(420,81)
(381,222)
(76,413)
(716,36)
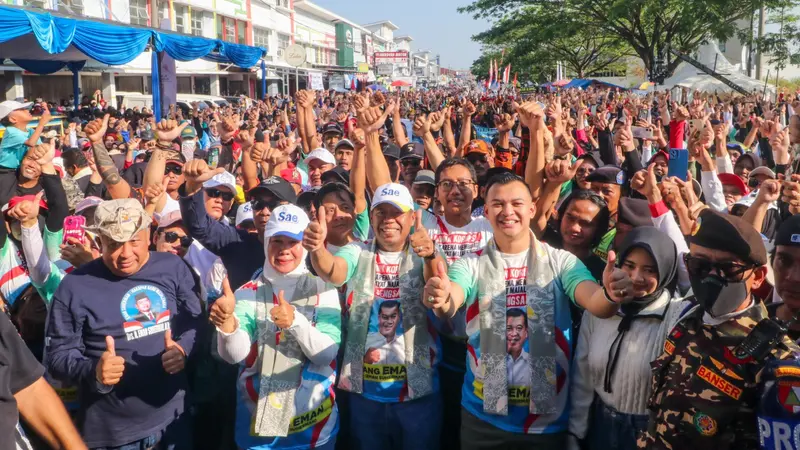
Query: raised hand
(371,119)
(560,170)
(27,212)
(174,358)
(531,115)
(422,125)
(196,172)
(221,312)
(420,240)
(316,232)
(616,281)
(282,314)
(436,294)
(169,130)
(77,252)
(110,367)
(769,191)
(437,120)
(790,194)
(96,129)
(504,122)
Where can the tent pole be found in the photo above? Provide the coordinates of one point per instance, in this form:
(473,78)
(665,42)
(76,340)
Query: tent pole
(263,79)
(76,89)
(155,87)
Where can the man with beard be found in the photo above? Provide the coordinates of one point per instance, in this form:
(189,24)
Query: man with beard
(343,152)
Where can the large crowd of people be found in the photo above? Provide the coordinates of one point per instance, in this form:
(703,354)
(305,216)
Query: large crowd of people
(451,268)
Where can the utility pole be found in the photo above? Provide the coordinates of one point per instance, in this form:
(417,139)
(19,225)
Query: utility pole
(759,55)
(750,48)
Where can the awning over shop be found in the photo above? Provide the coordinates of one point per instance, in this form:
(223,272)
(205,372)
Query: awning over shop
(44,43)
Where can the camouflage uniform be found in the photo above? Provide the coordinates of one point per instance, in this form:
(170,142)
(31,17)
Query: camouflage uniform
(704,397)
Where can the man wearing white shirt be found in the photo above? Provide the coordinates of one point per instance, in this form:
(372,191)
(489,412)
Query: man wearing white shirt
(385,346)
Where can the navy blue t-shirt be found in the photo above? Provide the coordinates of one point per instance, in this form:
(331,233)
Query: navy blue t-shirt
(92,303)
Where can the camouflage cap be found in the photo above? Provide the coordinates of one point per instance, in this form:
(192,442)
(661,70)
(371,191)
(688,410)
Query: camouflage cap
(120,219)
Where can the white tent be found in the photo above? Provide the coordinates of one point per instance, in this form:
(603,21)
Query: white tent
(689,76)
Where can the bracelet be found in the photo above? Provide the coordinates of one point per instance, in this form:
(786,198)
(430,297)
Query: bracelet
(608,298)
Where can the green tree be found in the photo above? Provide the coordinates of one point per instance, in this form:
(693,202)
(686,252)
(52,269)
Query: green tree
(646,26)
(550,36)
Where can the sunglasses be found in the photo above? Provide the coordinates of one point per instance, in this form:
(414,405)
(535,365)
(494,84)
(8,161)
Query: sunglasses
(259,205)
(477,159)
(410,162)
(177,170)
(171,237)
(216,193)
(701,268)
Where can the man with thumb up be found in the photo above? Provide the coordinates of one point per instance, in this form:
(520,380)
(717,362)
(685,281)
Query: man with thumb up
(121,328)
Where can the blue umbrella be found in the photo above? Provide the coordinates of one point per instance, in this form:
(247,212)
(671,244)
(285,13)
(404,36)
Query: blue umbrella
(377,87)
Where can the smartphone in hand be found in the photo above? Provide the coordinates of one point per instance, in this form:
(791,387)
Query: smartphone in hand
(73,227)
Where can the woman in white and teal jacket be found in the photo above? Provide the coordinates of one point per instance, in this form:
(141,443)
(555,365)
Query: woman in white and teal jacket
(286,330)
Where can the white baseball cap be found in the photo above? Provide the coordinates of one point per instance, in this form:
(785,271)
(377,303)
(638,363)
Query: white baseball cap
(10,105)
(244,213)
(222,179)
(169,215)
(87,202)
(395,194)
(287,220)
(322,155)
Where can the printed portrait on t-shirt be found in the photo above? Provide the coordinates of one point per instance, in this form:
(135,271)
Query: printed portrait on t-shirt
(385,344)
(517,359)
(144,309)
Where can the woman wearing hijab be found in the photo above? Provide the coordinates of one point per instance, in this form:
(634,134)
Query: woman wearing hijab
(611,383)
(285,328)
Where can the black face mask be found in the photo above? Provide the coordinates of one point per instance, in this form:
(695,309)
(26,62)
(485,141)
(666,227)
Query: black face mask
(718,296)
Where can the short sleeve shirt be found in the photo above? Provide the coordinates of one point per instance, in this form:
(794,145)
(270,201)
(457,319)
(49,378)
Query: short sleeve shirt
(13,148)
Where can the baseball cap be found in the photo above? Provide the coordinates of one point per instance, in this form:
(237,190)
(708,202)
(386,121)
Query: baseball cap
(10,105)
(14,201)
(730,179)
(120,219)
(332,128)
(336,174)
(412,150)
(292,175)
(278,187)
(287,220)
(322,155)
(789,232)
(344,143)
(86,203)
(593,157)
(169,218)
(476,146)
(188,133)
(394,194)
(244,213)
(607,174)
(763,170)
(391,150)
(147,135)
(221,179)
(425,177)
(84,143)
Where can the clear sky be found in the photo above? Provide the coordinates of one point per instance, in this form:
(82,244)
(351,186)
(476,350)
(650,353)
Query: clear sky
(434,25)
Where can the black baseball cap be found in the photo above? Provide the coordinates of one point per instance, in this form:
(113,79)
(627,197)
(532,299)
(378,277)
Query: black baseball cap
(336,174)
(278,187)
(607,174)
(332,128)
(412,150)
(789,232)
(391,150)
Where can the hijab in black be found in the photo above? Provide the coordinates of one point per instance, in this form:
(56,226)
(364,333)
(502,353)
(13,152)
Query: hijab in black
(663,251)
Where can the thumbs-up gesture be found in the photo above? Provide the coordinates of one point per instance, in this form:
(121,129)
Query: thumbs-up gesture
(437,289)
(617,283)
(316,232)
(420,241)
(110,367)
(221,313)
(196,172)
(174,358)
(27,212)
(282,314)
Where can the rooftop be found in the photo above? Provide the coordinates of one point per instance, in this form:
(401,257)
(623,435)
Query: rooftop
(387,23)
(305,5)
(403,38)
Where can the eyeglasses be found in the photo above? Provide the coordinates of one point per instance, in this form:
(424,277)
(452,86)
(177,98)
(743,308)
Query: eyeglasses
(216,193)
(410,162)
(259,205)
(448,185)
(177,170)
(701,268)
(171,237)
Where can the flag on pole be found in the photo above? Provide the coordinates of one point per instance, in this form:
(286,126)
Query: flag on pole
(507,74)
(489,81)
(515,79)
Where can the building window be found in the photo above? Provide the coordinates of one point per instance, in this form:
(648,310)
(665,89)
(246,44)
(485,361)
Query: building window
(231,30)
(241,32)
(180,19)
(197,22)
(261,37)
(282,3)
(74,7)
(318,56)
(283,41)
(723,46)
(138,10)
